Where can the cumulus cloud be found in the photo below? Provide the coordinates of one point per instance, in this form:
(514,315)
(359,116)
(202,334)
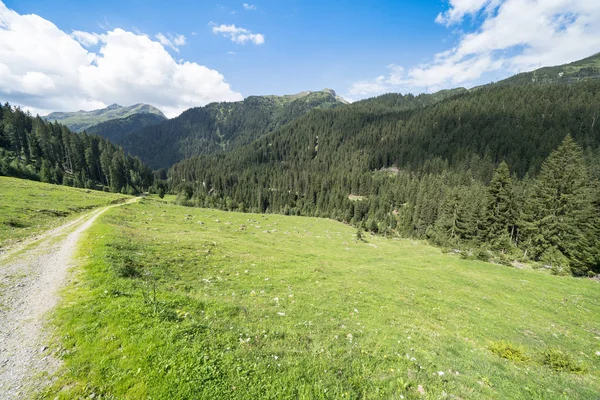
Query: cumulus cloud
(462,8)
(249,7)
(512,36)
(44,69)
(172,41)
(238,35)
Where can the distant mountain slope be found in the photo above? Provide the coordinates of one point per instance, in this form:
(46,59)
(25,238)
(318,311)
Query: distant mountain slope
(400,102)
(35,149)
(222,126)
(588,68)
(117,129)
(81,120)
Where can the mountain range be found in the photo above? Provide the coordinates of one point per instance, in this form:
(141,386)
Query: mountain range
(219,127)
(79,121)
(418,166)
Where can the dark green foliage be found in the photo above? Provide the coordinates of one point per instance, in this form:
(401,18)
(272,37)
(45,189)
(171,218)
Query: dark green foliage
(35,149)
(440,171)
(561,362)
(559,211)
(221,126)
(360,235)
(501,211)
(116,130)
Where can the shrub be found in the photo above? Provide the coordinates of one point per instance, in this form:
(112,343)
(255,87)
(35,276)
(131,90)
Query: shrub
(508,351)
(561,362)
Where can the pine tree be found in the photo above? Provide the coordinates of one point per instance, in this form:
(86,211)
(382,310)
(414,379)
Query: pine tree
(500,209)
(559,211)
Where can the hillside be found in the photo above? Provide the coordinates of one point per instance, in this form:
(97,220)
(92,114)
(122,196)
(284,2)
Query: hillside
(425,172)
(28,208)
(195,303)
(117,129)
(221,126)
(50,152)
(588,68)
(79,121)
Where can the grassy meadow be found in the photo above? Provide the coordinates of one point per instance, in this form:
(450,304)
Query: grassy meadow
(185,303)
(28,208)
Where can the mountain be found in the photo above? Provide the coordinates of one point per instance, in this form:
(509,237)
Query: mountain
(79,121)
(588,68)
(117,129)
(400,102)
(222,126)
(423,167)
(39,150)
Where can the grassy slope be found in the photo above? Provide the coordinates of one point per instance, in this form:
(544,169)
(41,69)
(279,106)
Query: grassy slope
(304,311)
(80,120)
(28,207)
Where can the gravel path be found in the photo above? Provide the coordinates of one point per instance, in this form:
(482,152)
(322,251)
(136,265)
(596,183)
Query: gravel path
(30,279)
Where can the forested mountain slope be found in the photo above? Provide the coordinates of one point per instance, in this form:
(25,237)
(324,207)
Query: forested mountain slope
(423,172)
(117,129)
(79,121)
(588,68)
(221,126)
(36,149)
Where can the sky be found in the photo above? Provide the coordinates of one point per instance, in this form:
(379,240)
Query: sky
(67,55)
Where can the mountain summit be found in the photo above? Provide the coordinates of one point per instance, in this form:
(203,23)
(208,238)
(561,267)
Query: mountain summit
(82,120)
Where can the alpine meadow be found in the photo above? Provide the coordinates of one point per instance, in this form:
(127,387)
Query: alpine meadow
(183,217)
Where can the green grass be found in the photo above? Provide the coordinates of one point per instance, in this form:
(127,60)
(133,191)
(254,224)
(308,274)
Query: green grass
(184,303)
(28,207)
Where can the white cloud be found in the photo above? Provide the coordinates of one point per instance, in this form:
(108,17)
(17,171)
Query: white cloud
(462,8)
(513,35)
(231,53)
(172,41)
(249,7)
(238,35)
(44,69)
(86,39)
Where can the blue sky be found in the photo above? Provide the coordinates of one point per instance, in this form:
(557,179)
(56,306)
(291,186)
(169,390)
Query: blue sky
(360,49)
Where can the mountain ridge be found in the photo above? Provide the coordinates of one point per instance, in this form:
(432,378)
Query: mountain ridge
(221,126)
(79,121)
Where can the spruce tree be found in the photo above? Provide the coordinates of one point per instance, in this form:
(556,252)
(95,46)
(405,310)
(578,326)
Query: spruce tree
(500,215)
(559,211)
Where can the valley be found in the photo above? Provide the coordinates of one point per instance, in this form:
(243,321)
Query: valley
(187,302)
(443,245)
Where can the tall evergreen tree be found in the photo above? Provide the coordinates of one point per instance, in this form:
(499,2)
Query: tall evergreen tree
(558,214)
(500,212)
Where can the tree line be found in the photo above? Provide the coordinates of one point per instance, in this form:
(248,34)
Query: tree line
(504,172)
(49,152)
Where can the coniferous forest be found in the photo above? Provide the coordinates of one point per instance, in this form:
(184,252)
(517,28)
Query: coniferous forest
(504,172)
(49,152)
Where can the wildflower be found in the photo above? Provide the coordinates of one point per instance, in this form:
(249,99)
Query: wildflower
(281,314)
(420,389)
(440,373)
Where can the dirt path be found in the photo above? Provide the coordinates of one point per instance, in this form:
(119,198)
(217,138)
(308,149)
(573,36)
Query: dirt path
(30,279)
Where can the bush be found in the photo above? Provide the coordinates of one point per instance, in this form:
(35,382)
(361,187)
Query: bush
(561,362)
(508,351)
